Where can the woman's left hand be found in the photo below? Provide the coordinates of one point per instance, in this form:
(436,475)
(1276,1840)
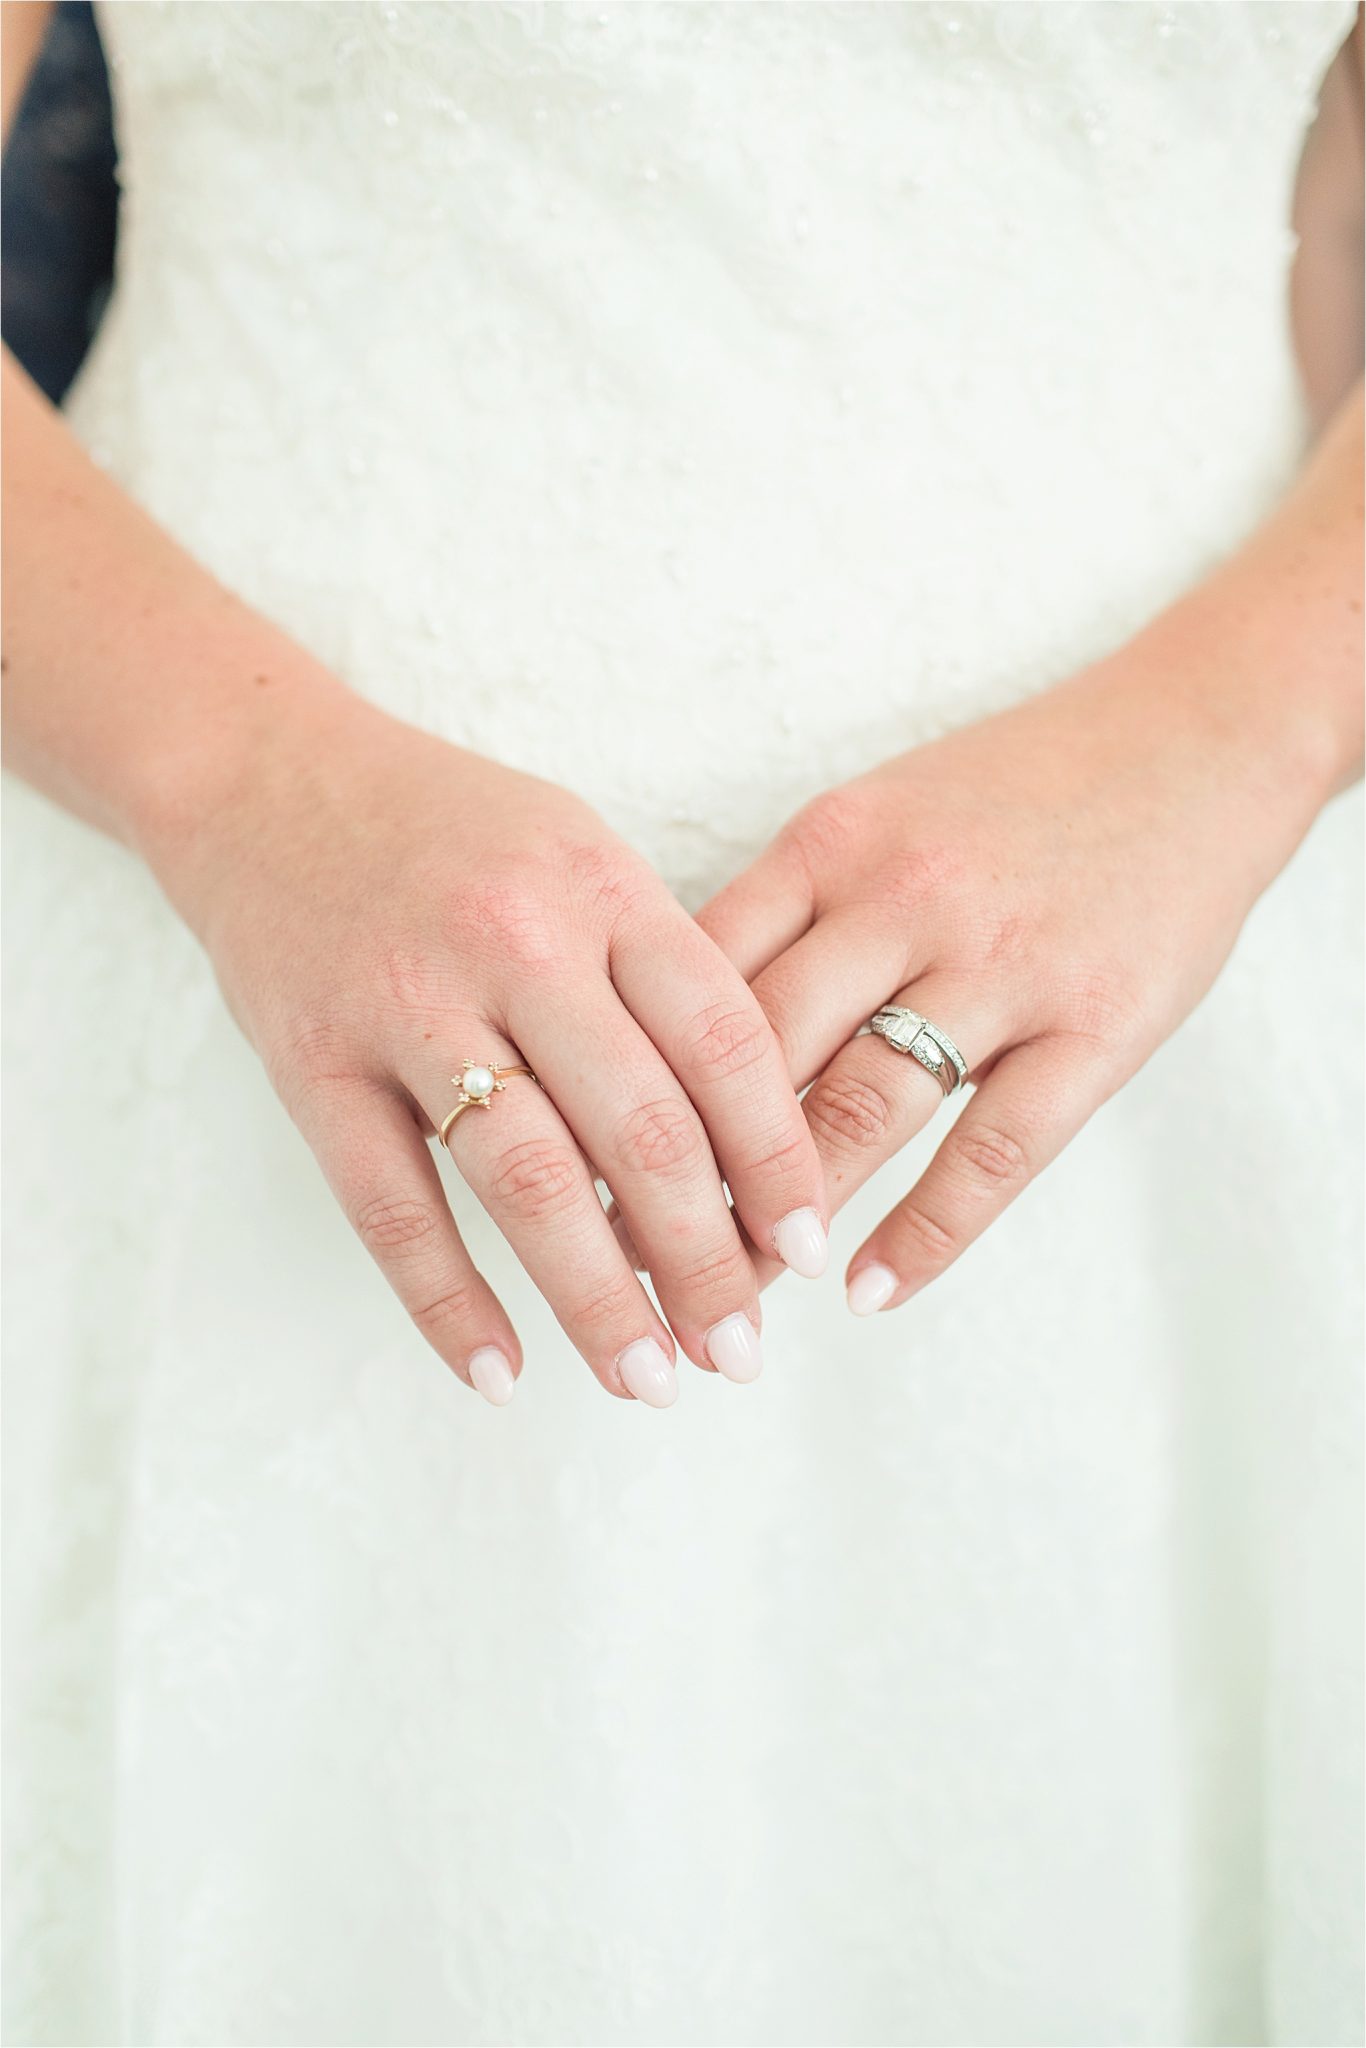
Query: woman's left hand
(1055,888)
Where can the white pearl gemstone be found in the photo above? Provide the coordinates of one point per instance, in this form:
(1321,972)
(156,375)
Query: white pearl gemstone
(478,1083)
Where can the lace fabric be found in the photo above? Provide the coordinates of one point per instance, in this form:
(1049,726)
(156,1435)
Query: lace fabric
(693,405)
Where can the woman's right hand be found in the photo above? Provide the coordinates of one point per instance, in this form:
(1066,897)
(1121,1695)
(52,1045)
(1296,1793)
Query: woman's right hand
(380,905)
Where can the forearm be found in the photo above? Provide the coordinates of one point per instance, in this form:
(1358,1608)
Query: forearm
(1269,648)
(137,689)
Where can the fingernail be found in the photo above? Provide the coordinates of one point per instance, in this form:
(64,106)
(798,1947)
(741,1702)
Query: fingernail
(493,1376)
(648,1374)
(732,1345)
(870,1287)
(801,1244)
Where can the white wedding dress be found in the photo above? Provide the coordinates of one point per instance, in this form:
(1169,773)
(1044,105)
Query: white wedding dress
(693,405)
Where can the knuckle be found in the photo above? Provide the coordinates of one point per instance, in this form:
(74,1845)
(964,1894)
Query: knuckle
(1007,939)
(935,1244)
(602,875)
(407,980)
(535,1179)
(1099,1004)
(786,1157)
(312,1043)
(722,1271)
(849,1112)
(918,874)
(313,1053)
(452,1309)
(726,1041)
(394,1223)
(604,1310)
(988,1157)
(659,1137)
(829,827)
(514,918)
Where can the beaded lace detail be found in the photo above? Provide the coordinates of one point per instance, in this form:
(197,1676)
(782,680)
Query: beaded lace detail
(694,405)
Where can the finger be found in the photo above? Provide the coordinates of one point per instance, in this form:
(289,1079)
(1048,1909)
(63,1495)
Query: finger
(386,1180)
(766,1264)
(762,912)
(629,1249)
(1037,1099)
(634,1122)
(818,993)
(871,1099)
(522,1162)
(715,1038)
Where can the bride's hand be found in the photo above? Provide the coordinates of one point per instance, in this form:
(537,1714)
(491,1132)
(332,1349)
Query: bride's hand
(379,906)
(1055,888)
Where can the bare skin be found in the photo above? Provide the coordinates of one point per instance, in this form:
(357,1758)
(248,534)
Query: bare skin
(335,862)
(1057,887)
(1009,881)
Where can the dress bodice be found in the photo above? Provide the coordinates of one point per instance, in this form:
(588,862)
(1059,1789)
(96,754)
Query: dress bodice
(694,404)
(675,387)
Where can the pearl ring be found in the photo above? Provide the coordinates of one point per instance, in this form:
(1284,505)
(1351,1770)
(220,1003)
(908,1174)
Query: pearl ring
(478,1085)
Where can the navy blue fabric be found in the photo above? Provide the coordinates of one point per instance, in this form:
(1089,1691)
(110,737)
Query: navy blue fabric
(59,204)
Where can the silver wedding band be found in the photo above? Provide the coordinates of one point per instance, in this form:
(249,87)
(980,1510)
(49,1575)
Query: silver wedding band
(907,1031)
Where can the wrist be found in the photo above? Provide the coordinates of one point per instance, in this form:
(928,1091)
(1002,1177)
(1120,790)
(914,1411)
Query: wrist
(1280,710)
(254,714)
(1268,651)
(1189,711)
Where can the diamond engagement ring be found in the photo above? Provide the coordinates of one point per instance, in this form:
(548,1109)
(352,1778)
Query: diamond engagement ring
(908,1031)
(478,1085)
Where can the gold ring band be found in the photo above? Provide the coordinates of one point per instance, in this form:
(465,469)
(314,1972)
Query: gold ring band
(478,1082)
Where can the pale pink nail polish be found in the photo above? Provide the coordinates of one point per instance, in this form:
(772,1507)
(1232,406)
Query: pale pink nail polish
(871,1288)
(732,1345)
(801,1243)
(647,1374)
(491,1374)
